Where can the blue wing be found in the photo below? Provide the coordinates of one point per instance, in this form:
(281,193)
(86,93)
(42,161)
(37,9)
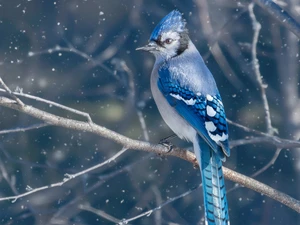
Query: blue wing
(203,111)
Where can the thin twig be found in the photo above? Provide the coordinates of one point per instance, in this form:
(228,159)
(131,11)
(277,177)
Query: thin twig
(120,65)
(132,96)
(158,199)
(99,212)
(149,212)
(51,103)
(247,129)
(143,125)
(103,178)
(267,138)
(272,161)
(12,94)
(10,180)
(214,45)
(58,48)
(278,142)
(256,27)
(23,129)
(65,180)
(72,49)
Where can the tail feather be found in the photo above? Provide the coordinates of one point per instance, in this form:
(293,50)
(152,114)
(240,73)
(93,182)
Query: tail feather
(214,192)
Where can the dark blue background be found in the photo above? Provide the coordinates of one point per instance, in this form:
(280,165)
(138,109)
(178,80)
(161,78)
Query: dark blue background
(109,32)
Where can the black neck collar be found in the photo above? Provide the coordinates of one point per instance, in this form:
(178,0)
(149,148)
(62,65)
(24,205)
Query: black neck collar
(183,42)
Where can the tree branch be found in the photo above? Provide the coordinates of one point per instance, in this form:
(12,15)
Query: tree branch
(96,129)
(262,188)
(129,143)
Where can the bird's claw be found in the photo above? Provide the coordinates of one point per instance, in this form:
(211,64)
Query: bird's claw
(167,144)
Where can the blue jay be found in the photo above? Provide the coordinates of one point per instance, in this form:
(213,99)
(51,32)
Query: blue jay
(188,99)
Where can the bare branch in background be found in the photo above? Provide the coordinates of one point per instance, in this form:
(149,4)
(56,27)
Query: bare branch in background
(256,27)
(278,142)
(11,93)
(68,177)
(143,125)
(11,181)
(23,129)
(247,129)
(71,49)
(103,179)
(266,138)
(51,103)
(149,212)
(280,15)
(269,164)
(98,212)
(214,45)
(158,216)
(120,65)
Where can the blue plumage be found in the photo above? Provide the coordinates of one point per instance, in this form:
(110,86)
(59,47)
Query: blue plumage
(172,22)
(214,192)
(189,101)
(193,107)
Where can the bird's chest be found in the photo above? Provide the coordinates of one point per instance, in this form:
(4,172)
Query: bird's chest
(179,126)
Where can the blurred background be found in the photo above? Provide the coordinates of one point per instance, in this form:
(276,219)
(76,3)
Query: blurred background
(82,54)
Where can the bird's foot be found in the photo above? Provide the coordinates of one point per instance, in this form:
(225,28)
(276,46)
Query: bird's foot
(167,144)
(196,165)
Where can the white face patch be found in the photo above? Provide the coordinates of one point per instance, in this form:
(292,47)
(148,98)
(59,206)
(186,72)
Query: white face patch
(169,50)
(210,126)
(210,111)
(188,102)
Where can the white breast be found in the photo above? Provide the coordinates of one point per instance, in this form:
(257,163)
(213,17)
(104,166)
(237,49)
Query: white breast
(179,126)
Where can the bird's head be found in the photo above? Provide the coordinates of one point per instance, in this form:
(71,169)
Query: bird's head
(169,38)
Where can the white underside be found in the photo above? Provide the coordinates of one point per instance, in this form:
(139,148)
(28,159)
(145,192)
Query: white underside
(179,126)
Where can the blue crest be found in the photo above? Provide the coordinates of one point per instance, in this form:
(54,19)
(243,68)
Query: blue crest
(171,22)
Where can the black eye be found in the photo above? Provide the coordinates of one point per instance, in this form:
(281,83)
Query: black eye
(168,41)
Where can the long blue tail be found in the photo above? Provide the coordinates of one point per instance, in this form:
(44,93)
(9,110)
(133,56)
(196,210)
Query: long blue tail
(214,192)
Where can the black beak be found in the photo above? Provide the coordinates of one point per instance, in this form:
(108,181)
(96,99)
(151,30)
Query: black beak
(149,47)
